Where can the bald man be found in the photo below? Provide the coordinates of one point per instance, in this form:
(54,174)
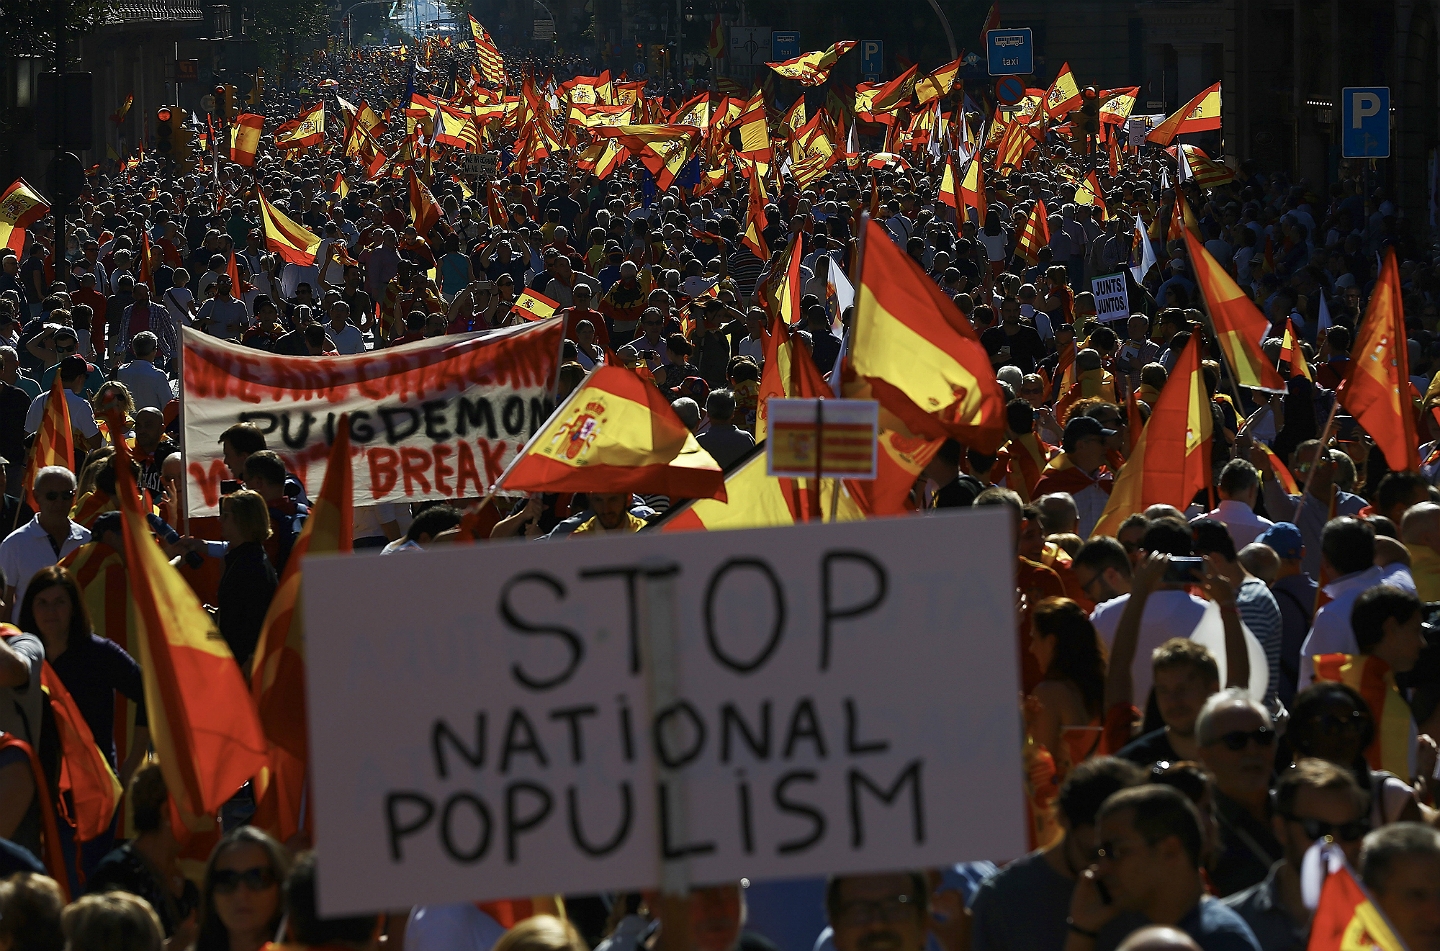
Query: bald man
(1420,531)
(1159,938)
(1261,561)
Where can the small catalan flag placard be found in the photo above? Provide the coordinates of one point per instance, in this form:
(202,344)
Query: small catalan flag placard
(837,438)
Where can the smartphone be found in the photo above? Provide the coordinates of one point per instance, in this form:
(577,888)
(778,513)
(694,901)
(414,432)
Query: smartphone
(1184,569)
(229,485)
(1345,427)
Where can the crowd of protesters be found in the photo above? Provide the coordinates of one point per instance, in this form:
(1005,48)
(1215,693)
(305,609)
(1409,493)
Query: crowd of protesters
(1172,805)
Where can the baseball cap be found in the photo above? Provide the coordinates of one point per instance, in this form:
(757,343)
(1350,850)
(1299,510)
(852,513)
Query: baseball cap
(1284,538)
(1078,427)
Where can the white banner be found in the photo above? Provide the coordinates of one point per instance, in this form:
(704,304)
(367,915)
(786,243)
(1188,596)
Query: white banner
(1111,300)
(836,698)
(435,419)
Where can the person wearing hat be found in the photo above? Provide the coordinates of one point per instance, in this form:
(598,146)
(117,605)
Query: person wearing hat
(1294,592)
(1080,470)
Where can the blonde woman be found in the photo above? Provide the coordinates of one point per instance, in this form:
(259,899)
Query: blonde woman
(249,581)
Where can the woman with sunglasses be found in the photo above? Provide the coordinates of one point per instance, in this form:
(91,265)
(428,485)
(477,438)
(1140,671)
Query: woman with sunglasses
(1331,721)
(1070,696)
(240,904)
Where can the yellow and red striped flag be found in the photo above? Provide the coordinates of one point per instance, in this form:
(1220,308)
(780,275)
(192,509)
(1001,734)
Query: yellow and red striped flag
(1201,114)
(245,138)
(1282,471)
(813,69)
(304,131)
(938,84)
(949,193)
(1376,388)
(340,186)
(291,240)
(756,220)
(85,773)
(789,372)
(54,443)
(20,207)
(1239,325)
(203,723)
(1063,95)
(1035,234)
(424,209)
(616,433)
(1292,362)
(533,305)
(1347,917)
(1171,462)
(779,294)
(917,354)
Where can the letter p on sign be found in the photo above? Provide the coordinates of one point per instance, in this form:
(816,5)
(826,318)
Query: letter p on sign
(1365,122)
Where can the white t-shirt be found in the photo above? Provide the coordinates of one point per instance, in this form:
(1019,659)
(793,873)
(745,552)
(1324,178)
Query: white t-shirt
(177,301)
(1167,614)
(82,415)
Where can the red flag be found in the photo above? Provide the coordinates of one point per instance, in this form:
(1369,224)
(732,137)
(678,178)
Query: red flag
(54,443)
(1376,388)
(1347,918)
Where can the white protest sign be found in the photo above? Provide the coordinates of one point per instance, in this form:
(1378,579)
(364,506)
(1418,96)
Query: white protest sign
(844,700)
(1111,300)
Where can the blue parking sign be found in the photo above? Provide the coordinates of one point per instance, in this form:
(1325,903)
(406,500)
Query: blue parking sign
(1365,122)
(1010,52)
(872,57)
(784,44)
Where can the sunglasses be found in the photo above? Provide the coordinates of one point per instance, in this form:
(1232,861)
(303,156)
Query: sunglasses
(1342,832)
(66,494)
(1331,725)
(1236,740)
(255,879)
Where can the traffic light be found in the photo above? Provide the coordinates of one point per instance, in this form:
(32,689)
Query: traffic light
(164,131)
(224,103)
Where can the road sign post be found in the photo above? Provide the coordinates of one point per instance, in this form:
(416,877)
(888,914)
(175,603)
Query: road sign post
(1365,122)
(872,57)
(1010,52)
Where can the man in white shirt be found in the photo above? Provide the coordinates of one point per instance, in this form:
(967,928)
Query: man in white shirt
(223,315)
(1239,487)
(346,336)
(1171,611)
(178,300)
(73,372)
(147,383)
(1347,549)
(45,539)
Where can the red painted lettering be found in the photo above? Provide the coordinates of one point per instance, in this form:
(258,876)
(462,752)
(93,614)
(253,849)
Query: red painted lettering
(442,469)
(414,462)
(465,460)
(384,466)
(494,454)
(209,482)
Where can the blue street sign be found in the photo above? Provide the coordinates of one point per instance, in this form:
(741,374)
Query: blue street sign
(1010,52)
(1365,122)
(784,44)
(1009,91)
(872,57)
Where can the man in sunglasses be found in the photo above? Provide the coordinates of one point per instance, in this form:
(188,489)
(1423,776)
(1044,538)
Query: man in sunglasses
(1312,800)
(1237,743)
(45,539)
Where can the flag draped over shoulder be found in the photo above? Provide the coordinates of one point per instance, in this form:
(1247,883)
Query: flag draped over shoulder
(616,433)
(292,241)
(918,354)
(1376,388)
(54,443)
(1171,461)
(1239,325)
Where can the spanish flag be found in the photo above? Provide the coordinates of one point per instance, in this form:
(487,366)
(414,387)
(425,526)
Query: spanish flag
(245,138)
(753,499)
(308,129)
(616,433)
(292,241)
(789,373)
(20,207)
(750,133)
(1063,95)
(756,220)
(54,443)
(1035,234)
(1372,678)
(779,293)
(899,461)
(1171,462)
(813,69)
(1376,388)
(203,722)
(424,209)
(918,354)
(1292,361)
(939,83)
(1239,325)
(85,773)
(1347,918)
(340,186)
(533,305)
(1201,114)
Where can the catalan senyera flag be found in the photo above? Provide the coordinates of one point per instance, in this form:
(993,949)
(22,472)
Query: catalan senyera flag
(1239,325)
(1171,461)
(424,209)
(203,723)
(1347,918)
(54,442)
(533,305)
(245,138)
(813,69)
(617,433)
(20,207)
(1035,234)
(1376,388)
(310,130)
(918,354)
(938,84)
(292,241)
(1292,362)
(277,680)
(1063,95)
(757,500)
(1201,114)
(780,291)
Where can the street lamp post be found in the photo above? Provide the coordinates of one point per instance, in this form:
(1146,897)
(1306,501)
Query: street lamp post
(350,24)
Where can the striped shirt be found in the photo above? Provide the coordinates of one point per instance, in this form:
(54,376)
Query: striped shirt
(1261,614)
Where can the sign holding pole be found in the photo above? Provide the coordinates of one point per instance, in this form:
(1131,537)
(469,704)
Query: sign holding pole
(818,711)
(1112,300)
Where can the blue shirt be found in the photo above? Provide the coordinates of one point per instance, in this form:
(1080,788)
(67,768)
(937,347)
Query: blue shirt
(1216,926)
